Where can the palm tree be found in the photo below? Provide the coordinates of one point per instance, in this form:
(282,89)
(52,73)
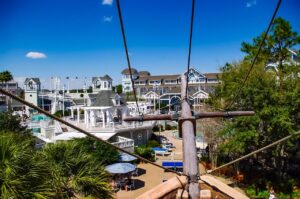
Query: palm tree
(5,77)
(75,173)
(100,151)
(20,175)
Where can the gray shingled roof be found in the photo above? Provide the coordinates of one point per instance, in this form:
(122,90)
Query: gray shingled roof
(126,71)
(104,98)
(105,78)
(78,101)
(94,79)
(36,80)
(144,74)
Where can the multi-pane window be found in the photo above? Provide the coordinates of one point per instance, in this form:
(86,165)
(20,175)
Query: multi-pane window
(170,81)
(154,82)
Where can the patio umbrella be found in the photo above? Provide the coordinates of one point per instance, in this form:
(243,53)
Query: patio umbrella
(124,157)
(120,168)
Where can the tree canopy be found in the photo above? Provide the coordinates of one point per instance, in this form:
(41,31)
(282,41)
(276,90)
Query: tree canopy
(277,46)
(67,169)
(275,98)
(5,76)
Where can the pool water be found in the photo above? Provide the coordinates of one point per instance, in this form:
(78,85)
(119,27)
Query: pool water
(36,130)
(40,117)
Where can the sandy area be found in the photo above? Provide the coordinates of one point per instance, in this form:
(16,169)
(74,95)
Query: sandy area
(150,176)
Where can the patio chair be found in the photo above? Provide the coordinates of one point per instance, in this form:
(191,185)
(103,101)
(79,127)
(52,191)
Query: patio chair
(135,172)
(130,186)
(115,188)
(121,184)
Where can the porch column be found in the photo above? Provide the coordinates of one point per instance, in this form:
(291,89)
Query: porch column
(78,115)
(109,117)
(94,118)
(88,118)
(85,116)
(169,103)
(103,118)
(72,113)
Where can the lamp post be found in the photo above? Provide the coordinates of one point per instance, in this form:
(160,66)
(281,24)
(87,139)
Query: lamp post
(68,79)
(154,96)
(63,107)
(43,98)
(51,81)
(84,91)
(77,87)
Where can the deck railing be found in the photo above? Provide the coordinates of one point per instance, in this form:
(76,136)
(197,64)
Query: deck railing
(123,142)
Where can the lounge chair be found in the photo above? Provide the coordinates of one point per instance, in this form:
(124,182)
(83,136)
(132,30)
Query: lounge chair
(173,165)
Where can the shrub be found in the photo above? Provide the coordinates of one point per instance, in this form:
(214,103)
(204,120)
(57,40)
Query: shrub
(152,143)
(145,152)
(155,128)
(102,153)
(169,127)
(60,113)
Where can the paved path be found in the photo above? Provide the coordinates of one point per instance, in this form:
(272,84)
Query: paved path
(150,176)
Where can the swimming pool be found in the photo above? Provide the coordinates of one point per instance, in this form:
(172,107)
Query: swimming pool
(36,130)
(39,117)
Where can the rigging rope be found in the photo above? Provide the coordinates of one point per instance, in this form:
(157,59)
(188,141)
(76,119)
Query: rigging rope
(127,54)
(255,152)
(190,48)
(80,130)
(239,90)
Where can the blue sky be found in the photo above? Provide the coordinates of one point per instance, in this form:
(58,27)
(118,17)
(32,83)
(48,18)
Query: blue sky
(83,38)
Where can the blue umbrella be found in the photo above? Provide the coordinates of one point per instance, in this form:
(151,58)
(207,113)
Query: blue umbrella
(124,157)
(159,149)
(120,168)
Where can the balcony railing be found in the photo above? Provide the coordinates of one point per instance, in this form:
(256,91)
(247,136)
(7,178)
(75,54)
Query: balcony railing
(123,142)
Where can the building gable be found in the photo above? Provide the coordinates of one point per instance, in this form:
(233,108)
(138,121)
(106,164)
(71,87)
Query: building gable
(195,76)
(151,95)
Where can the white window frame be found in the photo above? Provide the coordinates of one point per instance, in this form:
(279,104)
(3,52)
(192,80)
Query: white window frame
(155,82)
(171,81)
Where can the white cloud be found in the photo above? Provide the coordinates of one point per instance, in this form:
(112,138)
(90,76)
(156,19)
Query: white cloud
(107,2)
(107,18)
(36,55)
(249,4)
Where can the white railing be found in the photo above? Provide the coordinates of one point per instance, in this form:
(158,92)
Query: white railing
(123,142)
(110,125)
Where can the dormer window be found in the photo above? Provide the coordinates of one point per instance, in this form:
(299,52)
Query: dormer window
(98,84)
(30,85)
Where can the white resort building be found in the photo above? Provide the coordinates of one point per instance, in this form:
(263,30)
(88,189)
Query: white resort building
(165,89)
(6,102)
(101,115)
(101,111)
